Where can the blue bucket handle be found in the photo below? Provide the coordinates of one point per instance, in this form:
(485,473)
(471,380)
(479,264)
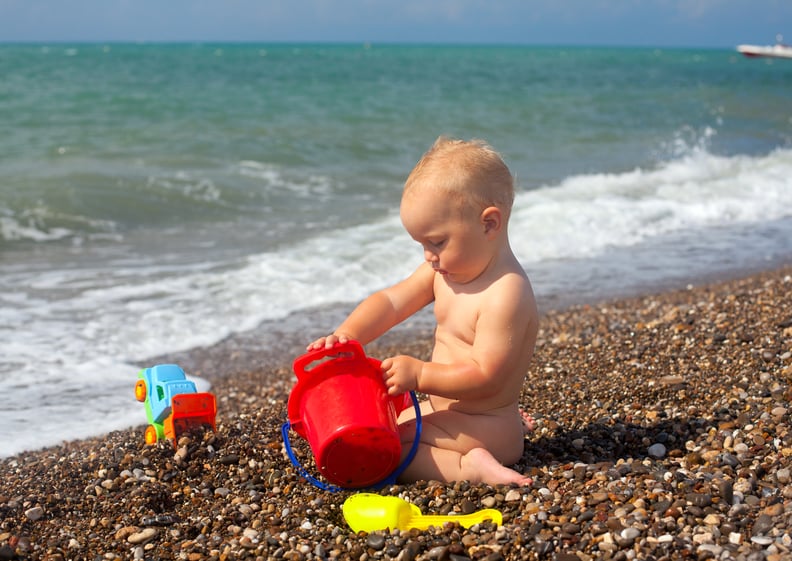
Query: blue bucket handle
(389,480)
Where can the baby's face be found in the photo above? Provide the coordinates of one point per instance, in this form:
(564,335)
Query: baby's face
(453,239)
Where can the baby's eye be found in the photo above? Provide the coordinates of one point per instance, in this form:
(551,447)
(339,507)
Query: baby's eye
(437,244)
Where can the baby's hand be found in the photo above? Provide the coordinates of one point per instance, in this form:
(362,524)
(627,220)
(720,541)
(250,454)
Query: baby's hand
(401,374)
(327,342)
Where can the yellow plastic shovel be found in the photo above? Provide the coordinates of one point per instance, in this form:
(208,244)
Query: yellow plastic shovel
(368,512)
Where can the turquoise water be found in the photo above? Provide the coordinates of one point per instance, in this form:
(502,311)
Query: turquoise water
(102,139)
(155,198)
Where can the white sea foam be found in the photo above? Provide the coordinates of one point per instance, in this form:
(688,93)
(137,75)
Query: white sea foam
(587,214)
(69,336)
(13,229)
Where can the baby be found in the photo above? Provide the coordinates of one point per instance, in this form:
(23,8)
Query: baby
(456,204)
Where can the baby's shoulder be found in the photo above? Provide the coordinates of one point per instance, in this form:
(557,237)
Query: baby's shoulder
(515,280)
(512,289)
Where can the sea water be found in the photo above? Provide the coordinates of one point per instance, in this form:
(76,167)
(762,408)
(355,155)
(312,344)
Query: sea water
(157,198)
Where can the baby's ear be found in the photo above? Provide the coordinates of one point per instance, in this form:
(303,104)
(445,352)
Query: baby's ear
(492,219)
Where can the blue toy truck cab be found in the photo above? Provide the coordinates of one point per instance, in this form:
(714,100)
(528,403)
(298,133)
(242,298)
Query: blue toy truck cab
(172,403)
(165,381)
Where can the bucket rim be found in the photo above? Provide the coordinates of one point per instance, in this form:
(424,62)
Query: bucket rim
(313,378)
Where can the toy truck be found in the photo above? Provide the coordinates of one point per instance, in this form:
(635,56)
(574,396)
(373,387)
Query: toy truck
(172,403)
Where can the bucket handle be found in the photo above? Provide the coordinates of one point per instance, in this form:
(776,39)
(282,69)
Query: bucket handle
(351,350)
(389,480)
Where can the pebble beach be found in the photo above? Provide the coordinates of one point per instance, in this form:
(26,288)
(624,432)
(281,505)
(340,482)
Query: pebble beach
(662,432)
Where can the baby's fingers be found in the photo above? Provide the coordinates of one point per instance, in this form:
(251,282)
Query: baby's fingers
(328,342)
(318,344)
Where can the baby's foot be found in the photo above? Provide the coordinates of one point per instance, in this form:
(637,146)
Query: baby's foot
(529,423)
(489,470)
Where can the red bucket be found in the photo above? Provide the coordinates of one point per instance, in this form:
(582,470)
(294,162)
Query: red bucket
(341,407)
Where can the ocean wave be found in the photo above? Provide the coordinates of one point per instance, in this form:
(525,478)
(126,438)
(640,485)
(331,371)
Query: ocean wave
(42,224)
(92,200)
(586,214)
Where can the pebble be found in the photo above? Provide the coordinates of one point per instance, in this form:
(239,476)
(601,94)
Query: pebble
(778,411)
(763,524)
(513,495)
(376,541)
(726,491)
(143,536)
(630,533)
(34,513)
(762,540)
(657,450)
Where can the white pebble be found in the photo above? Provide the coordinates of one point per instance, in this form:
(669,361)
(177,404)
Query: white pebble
(140,475)
(630,533)
(762,540)
(665,538)
(34,513)
(702,538)
(489,502)
(143,536)
(512,495)
(712,520)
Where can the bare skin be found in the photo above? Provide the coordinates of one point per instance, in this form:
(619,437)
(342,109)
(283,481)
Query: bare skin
(486,331)
(529,423)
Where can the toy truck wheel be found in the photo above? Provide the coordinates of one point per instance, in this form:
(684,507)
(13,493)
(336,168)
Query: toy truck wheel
(140,390)
(151,435)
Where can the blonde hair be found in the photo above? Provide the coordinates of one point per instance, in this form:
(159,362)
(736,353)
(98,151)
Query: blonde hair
(470,172)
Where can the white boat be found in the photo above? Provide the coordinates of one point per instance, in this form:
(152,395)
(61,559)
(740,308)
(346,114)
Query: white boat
(779,50)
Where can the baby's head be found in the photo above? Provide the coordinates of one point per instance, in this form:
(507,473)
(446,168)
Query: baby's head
(470,173)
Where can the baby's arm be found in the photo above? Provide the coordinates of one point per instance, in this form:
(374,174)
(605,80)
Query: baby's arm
(383,310)
(499,350)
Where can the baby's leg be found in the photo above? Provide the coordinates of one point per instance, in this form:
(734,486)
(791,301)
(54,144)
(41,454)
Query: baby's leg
(476,466)
(450,451)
